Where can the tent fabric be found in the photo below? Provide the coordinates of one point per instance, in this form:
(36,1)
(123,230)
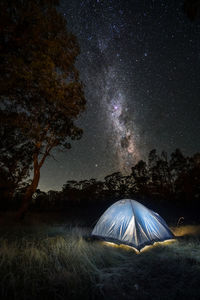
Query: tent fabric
(129,222)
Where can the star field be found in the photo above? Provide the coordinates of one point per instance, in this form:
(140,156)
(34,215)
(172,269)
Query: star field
(140,63)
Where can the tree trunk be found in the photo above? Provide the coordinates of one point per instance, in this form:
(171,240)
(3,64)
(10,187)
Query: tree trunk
(30,190)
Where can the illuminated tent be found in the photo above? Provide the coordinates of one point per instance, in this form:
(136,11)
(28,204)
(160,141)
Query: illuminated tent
(131,223)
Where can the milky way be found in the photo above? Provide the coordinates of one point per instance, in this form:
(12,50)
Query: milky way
(140,63)
(120,128)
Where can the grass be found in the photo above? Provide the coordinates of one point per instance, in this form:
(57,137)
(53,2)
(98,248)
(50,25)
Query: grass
(59,262)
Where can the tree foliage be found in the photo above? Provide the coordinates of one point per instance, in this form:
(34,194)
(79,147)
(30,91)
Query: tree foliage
(41,94)
(15,159)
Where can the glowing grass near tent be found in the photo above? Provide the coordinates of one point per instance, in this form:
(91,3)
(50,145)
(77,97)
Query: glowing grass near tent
(58,261)
(145,248)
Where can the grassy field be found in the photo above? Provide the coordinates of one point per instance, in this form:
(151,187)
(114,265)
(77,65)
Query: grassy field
(60,262)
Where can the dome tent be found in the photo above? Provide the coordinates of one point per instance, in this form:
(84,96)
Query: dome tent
(131,223)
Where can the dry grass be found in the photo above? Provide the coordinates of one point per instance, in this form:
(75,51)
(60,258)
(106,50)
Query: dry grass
(46,262)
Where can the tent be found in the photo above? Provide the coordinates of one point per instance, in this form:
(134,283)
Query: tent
(131,223)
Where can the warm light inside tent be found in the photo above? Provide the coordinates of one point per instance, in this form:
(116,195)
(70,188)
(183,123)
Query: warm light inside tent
(147,247)
(123,246)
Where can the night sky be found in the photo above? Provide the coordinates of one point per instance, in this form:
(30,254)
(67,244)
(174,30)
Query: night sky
(140,64)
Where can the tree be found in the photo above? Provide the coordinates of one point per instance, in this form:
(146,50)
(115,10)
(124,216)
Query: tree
(140,175)
(178,164)
(40,87)
(160,174)
(15,159)
(113,181)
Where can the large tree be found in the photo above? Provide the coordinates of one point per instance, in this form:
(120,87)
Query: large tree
(40,86)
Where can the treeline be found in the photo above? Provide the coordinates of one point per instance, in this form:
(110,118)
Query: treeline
(163,178)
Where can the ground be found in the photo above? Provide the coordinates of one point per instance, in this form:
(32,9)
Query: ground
(59,261)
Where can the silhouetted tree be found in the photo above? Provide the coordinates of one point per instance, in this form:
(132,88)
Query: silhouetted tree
(172,179)
(141,177)
(15,159)
(113,181)
(40,86)
(178,164)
